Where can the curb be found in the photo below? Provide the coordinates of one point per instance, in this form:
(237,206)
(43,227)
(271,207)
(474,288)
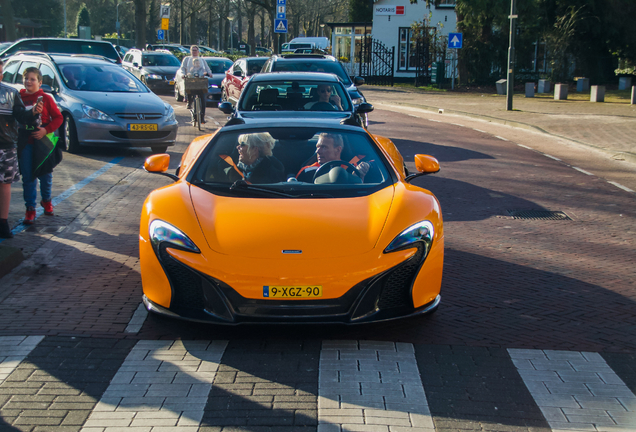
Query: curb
(10,258)
(613,154)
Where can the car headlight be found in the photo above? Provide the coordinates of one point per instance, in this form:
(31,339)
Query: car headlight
(357,101)
(420,232)
(169,112)
(163,232)
(214,86)
(155,76)
(96,114)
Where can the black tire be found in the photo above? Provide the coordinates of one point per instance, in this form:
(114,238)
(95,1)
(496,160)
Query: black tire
(177,95)
(159,149)
(70,135)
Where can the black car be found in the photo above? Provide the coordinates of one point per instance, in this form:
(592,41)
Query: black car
(316,63)
(155,69)
(218,66)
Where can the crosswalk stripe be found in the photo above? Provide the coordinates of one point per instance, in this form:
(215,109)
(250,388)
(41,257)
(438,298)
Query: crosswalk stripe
(576,390)
(13,350)
(370,386)
(160,384)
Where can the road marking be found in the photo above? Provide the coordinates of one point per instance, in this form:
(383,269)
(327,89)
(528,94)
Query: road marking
(13,350)
(583,171)
(576,390)
(504,139)
(620,186)
(368,385)
(551,157)
(68,192)
(479,130)
(137,320)
(161,383)
(457,124)
(436,121)
(413,115)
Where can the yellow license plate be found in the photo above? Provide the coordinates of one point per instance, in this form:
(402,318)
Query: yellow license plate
(299,291)
(142,127)
(171,82)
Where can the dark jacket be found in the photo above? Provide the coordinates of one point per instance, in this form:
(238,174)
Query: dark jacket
(268,170)
(12,111)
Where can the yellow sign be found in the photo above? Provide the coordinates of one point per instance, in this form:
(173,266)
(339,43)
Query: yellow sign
(164,23)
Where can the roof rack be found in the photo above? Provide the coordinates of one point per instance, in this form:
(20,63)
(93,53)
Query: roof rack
(304,55)
(37,53)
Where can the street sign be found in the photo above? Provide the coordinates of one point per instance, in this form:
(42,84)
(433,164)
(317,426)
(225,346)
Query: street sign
(281,12)
(165,11)
(160,34)
(455,40)
(281,2)
(280,25)
(165,23)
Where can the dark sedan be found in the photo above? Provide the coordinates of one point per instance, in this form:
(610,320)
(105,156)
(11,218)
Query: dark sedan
(218,66)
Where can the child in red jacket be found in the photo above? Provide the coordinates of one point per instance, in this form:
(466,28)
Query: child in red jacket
(50,120)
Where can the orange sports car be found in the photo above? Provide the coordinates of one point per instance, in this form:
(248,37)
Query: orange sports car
(291,220)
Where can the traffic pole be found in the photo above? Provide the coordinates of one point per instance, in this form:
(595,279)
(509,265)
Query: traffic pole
(511,56)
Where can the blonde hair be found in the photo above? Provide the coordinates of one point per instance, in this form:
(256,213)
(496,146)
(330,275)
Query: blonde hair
(263,141)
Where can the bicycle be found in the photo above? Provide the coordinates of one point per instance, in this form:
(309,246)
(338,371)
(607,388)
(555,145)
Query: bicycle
(194,87)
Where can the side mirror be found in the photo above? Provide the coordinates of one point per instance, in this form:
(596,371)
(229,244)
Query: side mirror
(47,89)
(158,164)
(226,107)
(238,74)
(424,164)
(358,81)
(364,108)
(135,64)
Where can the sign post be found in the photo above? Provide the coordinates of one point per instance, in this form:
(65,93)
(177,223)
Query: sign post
(511,56)
(280,23)
(456,42)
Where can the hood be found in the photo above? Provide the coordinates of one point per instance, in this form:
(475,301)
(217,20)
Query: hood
(113,102)
(262,227)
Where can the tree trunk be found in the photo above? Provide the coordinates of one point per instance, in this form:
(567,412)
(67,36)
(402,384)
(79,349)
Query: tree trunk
(194,40)
(181,23)
(7,20)
(140,23)
(262,16)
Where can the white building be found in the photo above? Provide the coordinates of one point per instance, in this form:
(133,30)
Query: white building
(392,20)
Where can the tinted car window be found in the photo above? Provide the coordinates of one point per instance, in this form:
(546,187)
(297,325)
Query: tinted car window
(19,78)
(128,58)
(101,78)
(25,46)
(309,66)
(255,66)
(292,151)
(9,71)
(293,95)
(159,60)
(218,66)
(48,76)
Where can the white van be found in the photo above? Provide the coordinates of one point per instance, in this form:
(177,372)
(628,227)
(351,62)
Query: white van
(318,42)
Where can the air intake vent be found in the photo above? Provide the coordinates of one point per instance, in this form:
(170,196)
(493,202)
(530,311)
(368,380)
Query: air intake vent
(538,215)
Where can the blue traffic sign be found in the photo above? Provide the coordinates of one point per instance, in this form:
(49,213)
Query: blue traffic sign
(455,40)
(160,34)
(281,11)
(280,25)
(281,2)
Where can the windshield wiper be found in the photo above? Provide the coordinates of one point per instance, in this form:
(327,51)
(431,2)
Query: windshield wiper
(243,185)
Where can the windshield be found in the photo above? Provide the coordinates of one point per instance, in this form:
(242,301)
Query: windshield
(294,95)
(159,60)
(312,66)
(300,162)
(218,65)
(102,78)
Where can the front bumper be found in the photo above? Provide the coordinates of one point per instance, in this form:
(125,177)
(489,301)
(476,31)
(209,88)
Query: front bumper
(160,86)
(115,134)
(199,297)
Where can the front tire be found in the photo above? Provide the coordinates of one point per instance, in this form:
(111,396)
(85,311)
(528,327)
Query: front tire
(177,95)
(70,135)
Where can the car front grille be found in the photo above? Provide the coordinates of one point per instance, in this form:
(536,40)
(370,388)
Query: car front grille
(139,116)
(140,135)
(187,291)
(396,289)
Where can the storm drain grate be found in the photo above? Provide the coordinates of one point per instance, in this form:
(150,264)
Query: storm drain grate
(538,215)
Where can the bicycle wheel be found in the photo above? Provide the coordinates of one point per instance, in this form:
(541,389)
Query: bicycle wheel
(197,106)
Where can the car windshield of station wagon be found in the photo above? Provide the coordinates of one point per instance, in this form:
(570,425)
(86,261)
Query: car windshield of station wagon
(288,65)
(295,95)
(102,78)
(292,162)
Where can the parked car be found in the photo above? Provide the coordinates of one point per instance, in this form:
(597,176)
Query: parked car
(237,76)
(218,66)
(153,68)
(102,104)
(336,247)
(205,49)
(173,48)
(262,50)
(63,46)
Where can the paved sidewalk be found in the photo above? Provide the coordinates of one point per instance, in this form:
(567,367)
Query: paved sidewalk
(610,127)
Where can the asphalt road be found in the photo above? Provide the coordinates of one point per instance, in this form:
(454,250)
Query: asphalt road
(538,286)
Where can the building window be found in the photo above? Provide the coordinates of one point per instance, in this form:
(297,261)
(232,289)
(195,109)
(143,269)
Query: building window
(446,4)
(406,51)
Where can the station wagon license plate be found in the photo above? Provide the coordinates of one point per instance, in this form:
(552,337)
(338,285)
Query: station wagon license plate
(301,291)
(136,127)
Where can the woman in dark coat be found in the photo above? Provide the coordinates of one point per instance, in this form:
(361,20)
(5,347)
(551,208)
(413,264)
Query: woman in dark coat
(256,164)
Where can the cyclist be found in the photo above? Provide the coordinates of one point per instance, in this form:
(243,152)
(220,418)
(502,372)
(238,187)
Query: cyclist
(189,69)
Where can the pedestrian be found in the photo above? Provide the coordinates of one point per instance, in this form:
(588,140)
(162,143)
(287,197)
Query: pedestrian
(189,68)
(38,152)
(12,111)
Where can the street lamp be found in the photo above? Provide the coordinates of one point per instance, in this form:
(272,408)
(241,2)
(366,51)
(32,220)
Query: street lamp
(231,32)
(117,24)
(322,30)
